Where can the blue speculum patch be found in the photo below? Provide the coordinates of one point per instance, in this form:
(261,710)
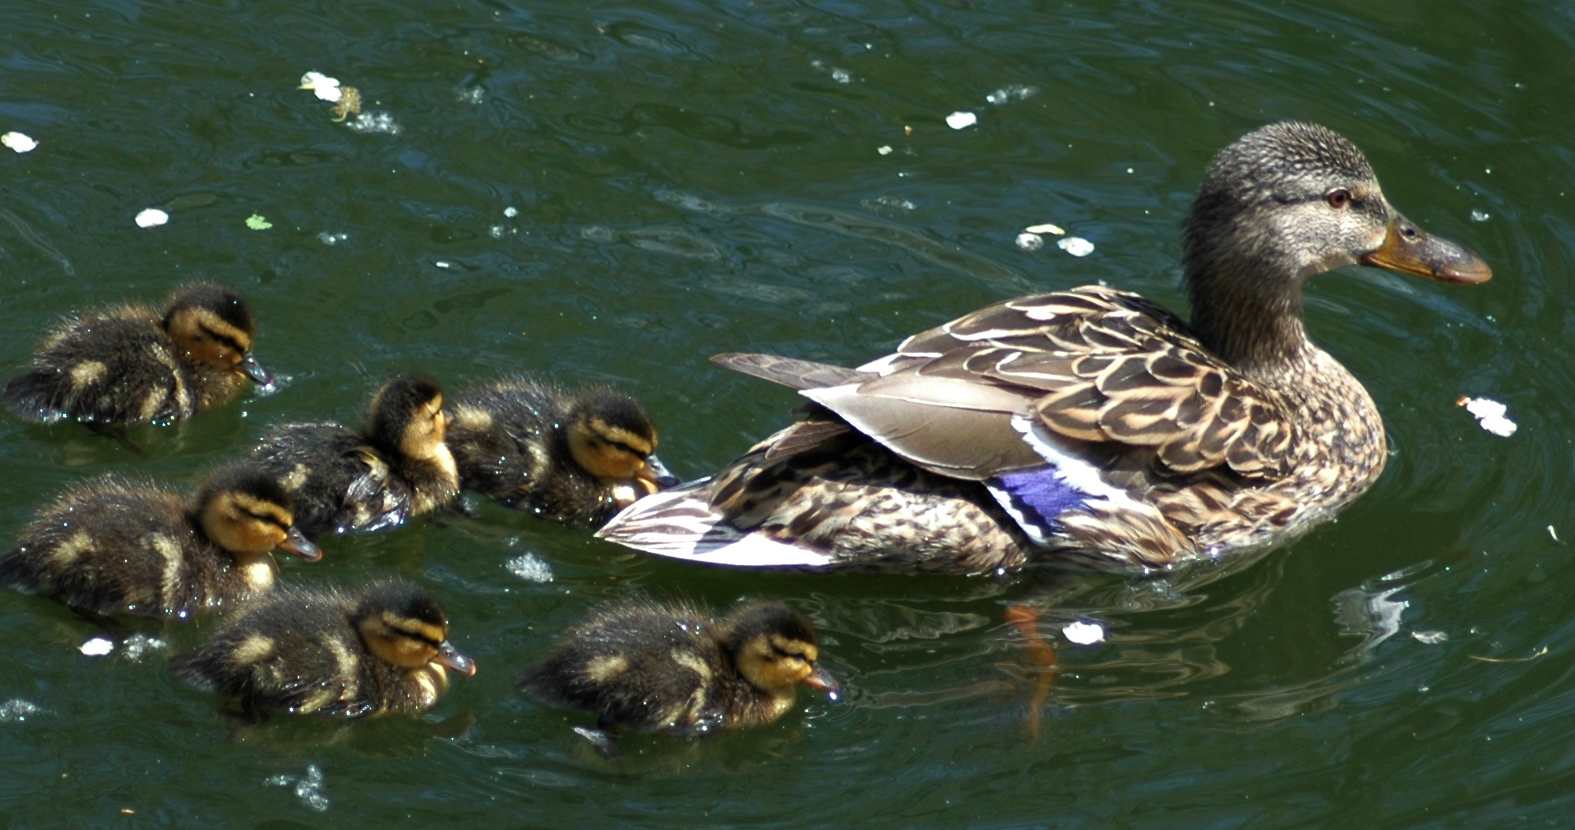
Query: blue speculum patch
(1040,493)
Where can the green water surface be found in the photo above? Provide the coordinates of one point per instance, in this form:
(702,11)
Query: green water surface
(613,192)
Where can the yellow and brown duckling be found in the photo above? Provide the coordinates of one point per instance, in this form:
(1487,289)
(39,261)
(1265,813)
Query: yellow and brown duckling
(668,667)
(116,546)
(345,481)
(381,649)
(132,364)
(573,456)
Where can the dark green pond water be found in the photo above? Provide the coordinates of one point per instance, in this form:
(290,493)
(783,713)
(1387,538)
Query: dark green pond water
(617,194)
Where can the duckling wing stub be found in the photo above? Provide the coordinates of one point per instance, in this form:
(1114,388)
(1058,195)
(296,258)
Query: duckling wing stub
(1091,365)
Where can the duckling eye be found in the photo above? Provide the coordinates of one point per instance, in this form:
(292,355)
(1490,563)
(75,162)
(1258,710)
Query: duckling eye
(1338,198)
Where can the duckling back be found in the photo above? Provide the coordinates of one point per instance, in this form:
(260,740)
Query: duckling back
(506,437)
(297,651)
(642,665)
(110,366)
(338,482)
(113,546)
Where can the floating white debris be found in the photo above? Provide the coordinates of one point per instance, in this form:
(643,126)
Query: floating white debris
(444,264)
(1084,634)
(1553,533)
(324,87)
(17,710)
(332,238)
(1490,414)
(1075,245)
(511,211)
(1430,637)
(1030,241)
(308,788)
(151,218)
(1053,230)
(961,120)
(1012,92)
(841,76)
(529,567)
(884,149)
(97,647)
(20,142)
(1480,215)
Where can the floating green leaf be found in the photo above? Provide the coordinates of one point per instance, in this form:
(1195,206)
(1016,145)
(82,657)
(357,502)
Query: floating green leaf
(258,222)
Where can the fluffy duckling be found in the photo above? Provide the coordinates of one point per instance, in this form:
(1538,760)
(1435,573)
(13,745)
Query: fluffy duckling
(114,546)
(668,667)
(343,481)
(574,456)
(131,364)
(381,649)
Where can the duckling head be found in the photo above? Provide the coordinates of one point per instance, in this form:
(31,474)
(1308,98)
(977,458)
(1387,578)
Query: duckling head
(775,649)
(1284,203)
(611,438)
(402,625)
(214,326)
(246,512)
(408,418)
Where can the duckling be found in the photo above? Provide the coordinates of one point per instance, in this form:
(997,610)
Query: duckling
(381,649)
(574,456)
(117,546)
(130,364)
(345,481)
(669,667)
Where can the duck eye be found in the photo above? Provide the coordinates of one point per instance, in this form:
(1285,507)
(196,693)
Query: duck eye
(1338,197)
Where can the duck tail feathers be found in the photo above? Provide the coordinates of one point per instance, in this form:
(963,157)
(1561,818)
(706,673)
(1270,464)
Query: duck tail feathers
(788,371)
(681,524)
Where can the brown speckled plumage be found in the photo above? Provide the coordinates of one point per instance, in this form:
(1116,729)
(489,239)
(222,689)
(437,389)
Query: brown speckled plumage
(134,364)
(1154,441)
(511,438)
(347,481)
(671,667)
(313,652)
(119,546)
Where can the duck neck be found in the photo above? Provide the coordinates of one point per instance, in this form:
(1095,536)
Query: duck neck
(1238,316)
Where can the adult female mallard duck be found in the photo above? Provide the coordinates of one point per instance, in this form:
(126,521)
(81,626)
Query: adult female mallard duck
(668,667)
(345,481)
(114,546)
(1086,423)
(130,363)
(574,456)
(346,653)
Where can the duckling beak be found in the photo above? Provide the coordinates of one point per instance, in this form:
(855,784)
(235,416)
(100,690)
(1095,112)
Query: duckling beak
(1410,250)
(254,370)
(654,476)
(450,657)
(296,544)
(822,680)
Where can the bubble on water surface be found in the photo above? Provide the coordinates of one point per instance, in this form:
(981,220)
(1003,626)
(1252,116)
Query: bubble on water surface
(529,567)
(18,710)
(308,788)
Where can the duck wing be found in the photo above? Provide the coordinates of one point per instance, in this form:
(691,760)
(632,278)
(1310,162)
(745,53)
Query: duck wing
(1039,378)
